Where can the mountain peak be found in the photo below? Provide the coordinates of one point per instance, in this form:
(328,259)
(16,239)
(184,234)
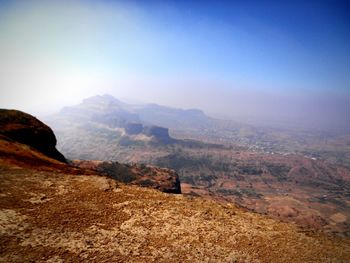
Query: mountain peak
(105,99)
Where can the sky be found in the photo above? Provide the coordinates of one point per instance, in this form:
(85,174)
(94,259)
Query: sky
(267,61)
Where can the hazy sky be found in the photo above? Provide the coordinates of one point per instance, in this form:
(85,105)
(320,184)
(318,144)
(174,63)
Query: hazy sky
(242,59)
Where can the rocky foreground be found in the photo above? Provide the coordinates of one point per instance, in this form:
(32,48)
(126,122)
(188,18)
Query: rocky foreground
(53,216)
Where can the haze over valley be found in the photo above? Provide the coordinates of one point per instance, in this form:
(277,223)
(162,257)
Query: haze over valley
(254,167)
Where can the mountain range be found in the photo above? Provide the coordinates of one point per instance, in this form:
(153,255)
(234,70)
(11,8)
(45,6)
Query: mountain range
(110,111)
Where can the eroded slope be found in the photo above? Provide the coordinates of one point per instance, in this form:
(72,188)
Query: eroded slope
(52,216)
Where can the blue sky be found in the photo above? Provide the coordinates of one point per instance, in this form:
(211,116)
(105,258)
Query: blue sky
(234,58)
(295,45)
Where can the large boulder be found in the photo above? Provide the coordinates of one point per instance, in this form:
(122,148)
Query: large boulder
(26,129)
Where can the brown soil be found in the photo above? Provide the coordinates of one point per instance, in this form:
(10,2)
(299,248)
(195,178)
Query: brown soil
(53,216)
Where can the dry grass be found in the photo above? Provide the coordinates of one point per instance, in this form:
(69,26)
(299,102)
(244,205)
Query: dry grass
(48,216)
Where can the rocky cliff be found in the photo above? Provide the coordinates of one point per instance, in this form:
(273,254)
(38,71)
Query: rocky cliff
(133,128)
(26,129)
(162,179)
(158,134)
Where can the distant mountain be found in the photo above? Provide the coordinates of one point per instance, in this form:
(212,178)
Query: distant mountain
(110,111)
(172,118)
(107,117)
(101,109)
(98,127)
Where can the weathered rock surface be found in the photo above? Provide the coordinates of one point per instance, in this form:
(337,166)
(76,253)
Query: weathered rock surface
(56,216)
(161,134)
(26,129)
(165,180)
(158,134)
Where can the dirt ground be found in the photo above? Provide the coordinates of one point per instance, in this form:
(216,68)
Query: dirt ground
(55,216)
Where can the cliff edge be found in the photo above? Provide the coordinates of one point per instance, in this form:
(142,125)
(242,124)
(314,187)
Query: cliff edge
(23,128)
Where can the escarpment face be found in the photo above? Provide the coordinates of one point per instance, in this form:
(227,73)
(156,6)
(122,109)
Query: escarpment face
(26,129)
(162,179)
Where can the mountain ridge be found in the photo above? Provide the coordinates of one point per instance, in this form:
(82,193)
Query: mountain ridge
(147,114)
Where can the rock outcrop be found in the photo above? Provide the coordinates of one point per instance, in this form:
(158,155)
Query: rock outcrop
(162,179)
(26,129)
(158,134)
(161,134)
(133,128)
